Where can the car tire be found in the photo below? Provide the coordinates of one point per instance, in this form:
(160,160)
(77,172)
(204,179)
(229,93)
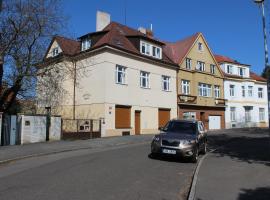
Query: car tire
(204,150)
(195,155)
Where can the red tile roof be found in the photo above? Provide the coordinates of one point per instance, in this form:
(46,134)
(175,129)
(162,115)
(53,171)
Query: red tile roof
(257,77)
(177,51)
(68,46)
(224,59)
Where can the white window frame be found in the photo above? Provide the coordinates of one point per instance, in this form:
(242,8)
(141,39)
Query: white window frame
(189,115)
(149,49)
(188,63)
(200,46)
(233,114)
(55,51)
(122,72)
(86,44)
(212,69)
(260,93)
(248,117)
(243,71)
(165,81)
(261,114)
(185,86)
(217,91)
(250,91)
(229,69)
(243,91)
(204,90)
(232,90)
(200,66)
(145,76)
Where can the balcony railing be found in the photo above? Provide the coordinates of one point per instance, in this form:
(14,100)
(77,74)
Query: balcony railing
(183,98)
(220,102)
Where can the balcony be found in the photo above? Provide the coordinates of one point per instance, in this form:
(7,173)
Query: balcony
(189,99)
(220,102)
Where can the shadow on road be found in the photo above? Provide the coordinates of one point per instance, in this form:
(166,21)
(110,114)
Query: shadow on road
(261,193)
(169,158)
(250,147)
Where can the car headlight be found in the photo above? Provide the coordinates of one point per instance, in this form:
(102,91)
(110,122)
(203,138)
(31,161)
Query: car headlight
(186,143)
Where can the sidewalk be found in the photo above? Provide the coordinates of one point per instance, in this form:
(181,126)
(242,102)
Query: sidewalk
(8,153)
(239,170)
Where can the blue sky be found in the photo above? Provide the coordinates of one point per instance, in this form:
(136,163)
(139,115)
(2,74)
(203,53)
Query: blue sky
(231,27)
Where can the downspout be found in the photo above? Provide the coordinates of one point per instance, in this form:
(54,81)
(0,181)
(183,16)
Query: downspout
(74,87)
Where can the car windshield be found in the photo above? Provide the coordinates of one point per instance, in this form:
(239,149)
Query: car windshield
(180,127)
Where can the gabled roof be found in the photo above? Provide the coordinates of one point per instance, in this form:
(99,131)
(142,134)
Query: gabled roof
(178,50)
(68,46)
(226,59)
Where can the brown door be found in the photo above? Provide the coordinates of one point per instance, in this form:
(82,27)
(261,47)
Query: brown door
(163,117)
(137,122)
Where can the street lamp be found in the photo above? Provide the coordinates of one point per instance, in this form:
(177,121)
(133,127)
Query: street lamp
(267,67)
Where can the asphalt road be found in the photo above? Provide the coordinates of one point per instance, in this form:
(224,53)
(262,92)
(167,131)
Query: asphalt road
(123,172)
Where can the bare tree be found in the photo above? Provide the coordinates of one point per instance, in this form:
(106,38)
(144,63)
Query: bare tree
(26,28)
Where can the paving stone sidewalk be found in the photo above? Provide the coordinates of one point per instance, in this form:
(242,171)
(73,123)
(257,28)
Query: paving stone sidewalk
(21,151)
(239,170)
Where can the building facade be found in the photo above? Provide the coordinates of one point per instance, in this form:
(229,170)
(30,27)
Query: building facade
(199,82)
(124,78)
(246,93)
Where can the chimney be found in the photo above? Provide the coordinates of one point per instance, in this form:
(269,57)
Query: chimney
(142,30)
(103,19)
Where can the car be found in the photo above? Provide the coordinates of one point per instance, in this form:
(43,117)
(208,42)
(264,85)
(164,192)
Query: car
(181,138)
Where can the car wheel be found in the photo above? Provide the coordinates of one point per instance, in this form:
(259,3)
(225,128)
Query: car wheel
(204,148)
(195,155)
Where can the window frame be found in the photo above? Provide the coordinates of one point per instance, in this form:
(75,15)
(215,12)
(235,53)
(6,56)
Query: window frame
(165,80)
(149,49)
(188,63)
(232,90)
(212,68)
(250,91)
(217,91)
(85,44)
(200,46)
(185,86)
(233,114)
(124,77)
(260,93)
(229,69)
(204,90)
(243,91)
(55,51)
(145,76)
(200,66)
(261,114)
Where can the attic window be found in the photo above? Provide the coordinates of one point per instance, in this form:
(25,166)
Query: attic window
(55,51)
(200,46)
(86,44)
(150,50)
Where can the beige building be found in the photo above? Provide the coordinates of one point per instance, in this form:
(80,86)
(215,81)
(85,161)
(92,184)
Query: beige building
(199,81)
(120,75)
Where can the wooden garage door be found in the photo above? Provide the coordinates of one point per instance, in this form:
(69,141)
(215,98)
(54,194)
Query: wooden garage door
(122,117)
(163,117)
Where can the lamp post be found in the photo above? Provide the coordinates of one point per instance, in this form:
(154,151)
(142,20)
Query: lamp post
(267,66)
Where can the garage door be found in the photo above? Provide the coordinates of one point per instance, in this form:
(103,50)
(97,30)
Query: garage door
(122,116)
(214,122)
(163,117)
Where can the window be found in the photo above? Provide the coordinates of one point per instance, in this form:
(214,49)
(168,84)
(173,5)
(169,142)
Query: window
(200,66)
(151,50)
(144,79)
(188,63)
(260,93)
(120,74)
(86,44)
(241,71)
(55,51)
(204,90)
(250,91)
(189,115)
(185,87)
(233,114)
(200,46)
(229,69)
(261,114)
(84,126)
(122,116)
(232,87)
(217,91)
(166,83)
(212,69)
(248,110)
(243,91)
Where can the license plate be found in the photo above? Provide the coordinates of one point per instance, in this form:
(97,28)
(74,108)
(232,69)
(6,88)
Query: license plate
(169,151)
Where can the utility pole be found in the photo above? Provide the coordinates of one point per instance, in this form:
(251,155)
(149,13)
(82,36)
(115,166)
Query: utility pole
(267,66)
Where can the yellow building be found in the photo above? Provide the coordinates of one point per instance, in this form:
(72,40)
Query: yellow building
(199,81)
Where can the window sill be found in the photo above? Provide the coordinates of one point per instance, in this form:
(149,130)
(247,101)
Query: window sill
(121,83)
(145,87)
(166,90)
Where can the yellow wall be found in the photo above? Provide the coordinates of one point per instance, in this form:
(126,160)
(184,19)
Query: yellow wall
(195,76)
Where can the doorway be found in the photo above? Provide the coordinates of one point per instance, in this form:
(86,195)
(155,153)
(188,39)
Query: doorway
(137,122)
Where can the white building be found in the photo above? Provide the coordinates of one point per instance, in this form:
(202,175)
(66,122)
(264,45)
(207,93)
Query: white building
(127,80)
(246,95)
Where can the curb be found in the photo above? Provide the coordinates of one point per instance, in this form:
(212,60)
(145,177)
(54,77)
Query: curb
(61,151)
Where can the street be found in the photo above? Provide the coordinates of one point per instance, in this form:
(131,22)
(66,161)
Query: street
(123,172)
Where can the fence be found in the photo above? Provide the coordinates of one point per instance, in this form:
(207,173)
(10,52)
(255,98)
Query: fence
(81,128)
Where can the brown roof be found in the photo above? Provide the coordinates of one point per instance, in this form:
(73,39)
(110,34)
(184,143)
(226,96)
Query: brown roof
(177,51)
(115,35)
(226,59)
(68,46)
(257,77)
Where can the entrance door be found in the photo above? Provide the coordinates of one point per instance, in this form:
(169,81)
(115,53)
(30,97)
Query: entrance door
(214,122)
(137,122)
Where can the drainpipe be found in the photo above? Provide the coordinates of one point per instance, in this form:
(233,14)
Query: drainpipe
(74,88)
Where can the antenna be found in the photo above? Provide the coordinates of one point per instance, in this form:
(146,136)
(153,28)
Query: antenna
(151,27)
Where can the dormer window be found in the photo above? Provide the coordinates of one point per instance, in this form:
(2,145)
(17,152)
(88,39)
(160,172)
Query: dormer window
(241,71)
(86,44)
(229,69)
(55,51)
(150,50)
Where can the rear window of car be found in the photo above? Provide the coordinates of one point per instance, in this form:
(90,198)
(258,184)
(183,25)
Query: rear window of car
(180,127)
